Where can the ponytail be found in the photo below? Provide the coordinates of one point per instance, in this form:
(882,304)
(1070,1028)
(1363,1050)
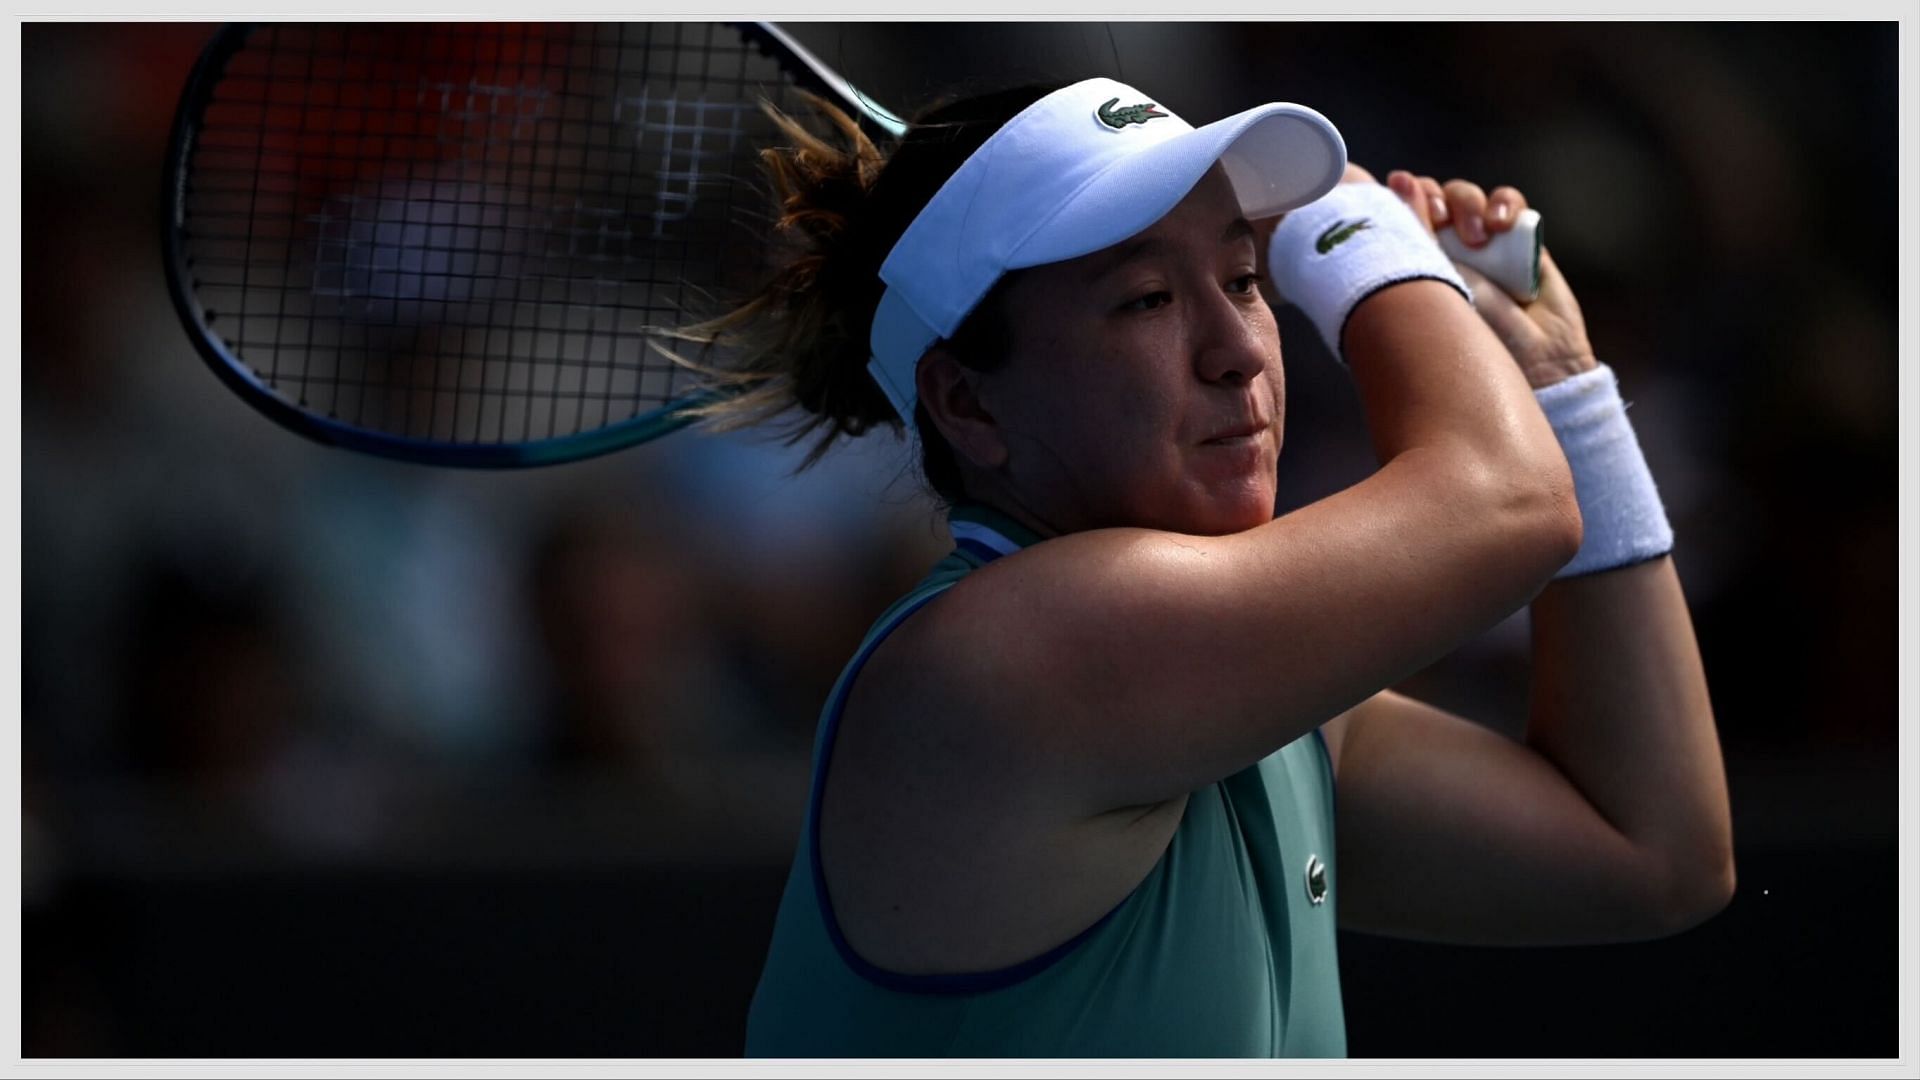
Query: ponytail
(842,203)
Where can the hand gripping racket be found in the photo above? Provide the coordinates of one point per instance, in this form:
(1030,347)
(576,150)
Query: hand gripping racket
(459,243)
(1510,259)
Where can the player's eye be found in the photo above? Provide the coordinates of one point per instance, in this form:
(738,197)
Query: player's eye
(1148,302)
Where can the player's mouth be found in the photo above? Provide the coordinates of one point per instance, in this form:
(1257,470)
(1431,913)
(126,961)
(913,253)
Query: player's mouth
(1242,435)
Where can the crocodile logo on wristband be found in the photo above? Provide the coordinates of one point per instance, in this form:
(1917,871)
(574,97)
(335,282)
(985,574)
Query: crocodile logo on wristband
(1132,114)
(1339,233)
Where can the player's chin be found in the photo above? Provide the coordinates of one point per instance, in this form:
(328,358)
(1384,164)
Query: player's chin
(1248,513)
(1232,492)
(1223,509)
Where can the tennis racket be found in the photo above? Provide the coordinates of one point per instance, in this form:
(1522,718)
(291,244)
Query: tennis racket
(457,243)
(460,243)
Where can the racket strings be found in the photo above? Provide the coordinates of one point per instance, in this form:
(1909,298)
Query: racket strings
(472,233)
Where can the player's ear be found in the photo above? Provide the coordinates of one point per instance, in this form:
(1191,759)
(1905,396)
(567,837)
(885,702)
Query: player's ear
(949,391)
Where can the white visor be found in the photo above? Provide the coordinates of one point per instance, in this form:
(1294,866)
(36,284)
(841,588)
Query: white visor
(1080,170)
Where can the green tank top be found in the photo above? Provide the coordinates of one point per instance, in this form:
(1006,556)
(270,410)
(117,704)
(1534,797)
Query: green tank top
(1225,949)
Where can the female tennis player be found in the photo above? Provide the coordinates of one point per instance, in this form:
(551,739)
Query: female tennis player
(1076,793)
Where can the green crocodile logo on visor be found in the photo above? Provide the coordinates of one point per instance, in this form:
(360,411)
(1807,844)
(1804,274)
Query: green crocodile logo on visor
(1339,233)
(1132,114)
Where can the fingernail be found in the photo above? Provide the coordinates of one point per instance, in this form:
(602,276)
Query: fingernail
(1439,209)
(1500,211)
(1472,230)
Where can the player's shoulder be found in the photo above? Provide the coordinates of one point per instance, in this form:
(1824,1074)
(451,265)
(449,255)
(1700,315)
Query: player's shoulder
(1009,639)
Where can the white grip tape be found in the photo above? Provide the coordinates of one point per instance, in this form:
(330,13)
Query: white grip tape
(1357,239)
(1510,259)
(1624,521)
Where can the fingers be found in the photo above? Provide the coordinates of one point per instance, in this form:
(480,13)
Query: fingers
(1408,187)
(1473,213)
(1467,206)
(1356,175)
(1436,200)
(1503,208)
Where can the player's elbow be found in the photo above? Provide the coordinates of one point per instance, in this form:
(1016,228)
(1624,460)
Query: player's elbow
(1696,891)
(1557,529)
(1541,529)
(1563,528)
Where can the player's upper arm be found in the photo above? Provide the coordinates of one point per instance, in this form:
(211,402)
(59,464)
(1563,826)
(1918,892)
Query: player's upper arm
(1123,667)
(1505,848)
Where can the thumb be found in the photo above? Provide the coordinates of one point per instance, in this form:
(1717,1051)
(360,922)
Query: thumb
(1501,312)
(1553,285)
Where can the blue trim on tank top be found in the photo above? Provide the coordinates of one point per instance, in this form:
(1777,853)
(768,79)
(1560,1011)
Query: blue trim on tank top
(963,983)
(1319,733)
(1333,781)
(977,549)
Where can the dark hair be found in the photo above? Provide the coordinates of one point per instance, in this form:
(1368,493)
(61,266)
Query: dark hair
(803,337)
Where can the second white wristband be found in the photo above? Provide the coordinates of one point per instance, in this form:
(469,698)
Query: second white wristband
(1624,521)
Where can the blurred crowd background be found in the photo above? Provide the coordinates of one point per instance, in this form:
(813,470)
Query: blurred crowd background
(326,755)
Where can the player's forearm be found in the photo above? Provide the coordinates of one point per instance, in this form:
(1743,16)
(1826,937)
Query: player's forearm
(1619,704)
(1431,375)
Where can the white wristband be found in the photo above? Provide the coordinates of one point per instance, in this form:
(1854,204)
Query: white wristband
(1357,239)
(1624,520)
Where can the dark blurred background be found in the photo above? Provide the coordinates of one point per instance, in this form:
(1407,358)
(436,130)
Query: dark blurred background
(329,756)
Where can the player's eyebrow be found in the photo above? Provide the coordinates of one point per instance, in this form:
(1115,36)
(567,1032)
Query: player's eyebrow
(1236,229)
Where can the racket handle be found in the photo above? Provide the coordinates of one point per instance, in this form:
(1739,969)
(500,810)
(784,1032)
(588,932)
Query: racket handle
(1510,260)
